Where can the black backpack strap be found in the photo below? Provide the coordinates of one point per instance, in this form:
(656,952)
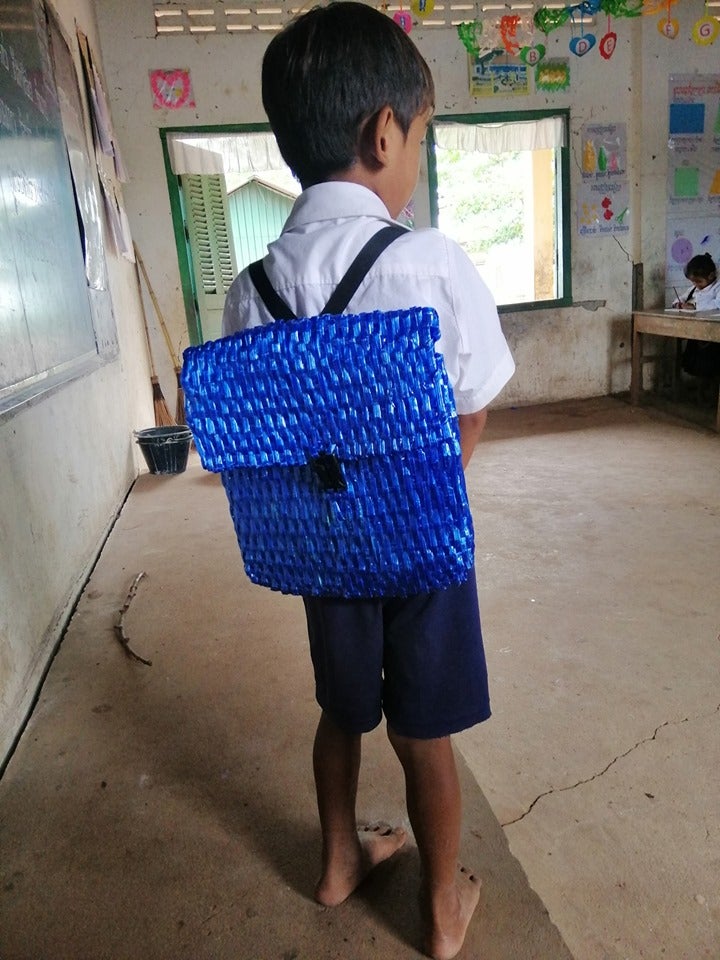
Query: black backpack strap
(358,269)
(344,291)
(272,300)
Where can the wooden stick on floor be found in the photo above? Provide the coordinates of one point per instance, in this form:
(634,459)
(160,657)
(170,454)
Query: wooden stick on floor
(119,628)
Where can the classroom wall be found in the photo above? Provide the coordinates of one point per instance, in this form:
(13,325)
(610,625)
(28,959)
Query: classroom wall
(578,351)
(67,461)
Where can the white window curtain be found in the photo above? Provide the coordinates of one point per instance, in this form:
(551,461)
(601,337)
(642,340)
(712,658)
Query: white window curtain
(258,152)
(543,134)
(234,153)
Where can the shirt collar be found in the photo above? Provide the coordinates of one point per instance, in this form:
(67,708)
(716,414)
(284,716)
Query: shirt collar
(335,200)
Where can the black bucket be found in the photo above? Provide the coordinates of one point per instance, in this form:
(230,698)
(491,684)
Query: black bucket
(165,448)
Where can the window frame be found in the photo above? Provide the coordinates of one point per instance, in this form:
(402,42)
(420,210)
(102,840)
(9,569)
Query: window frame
(563,210)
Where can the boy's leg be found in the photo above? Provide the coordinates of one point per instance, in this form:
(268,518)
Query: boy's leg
(348,854)
(434,807)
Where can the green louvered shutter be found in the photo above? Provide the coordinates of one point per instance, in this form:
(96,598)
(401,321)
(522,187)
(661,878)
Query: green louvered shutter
(211,247)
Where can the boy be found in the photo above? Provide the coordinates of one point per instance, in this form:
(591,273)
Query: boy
(349,99)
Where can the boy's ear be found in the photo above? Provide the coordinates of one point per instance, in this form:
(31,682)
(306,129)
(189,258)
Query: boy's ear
(377,139)
(385,133)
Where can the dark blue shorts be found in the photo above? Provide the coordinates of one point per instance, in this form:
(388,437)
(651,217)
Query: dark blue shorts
(419,660)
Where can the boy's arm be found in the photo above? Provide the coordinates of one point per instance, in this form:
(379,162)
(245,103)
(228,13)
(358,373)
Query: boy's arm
(477,357)
(471,426)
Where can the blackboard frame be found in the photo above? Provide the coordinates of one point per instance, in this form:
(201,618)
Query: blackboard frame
(56,321)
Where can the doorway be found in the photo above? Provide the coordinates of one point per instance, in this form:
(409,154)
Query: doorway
(230,194)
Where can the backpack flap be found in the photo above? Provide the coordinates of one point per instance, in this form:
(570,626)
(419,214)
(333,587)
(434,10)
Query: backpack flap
(348,386)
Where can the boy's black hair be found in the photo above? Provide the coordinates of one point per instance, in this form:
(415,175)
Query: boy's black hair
(701,265)
(325,78)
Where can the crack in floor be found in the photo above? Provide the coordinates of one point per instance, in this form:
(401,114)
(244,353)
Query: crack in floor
(595,776)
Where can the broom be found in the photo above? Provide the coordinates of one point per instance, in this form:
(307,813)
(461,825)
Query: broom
(163,417)
(180,399)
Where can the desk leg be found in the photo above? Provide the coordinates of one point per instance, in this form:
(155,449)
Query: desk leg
(677,367)
(636,367)
(717,415)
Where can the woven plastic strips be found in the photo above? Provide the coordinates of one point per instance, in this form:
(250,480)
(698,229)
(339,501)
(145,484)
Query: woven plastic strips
(368,390)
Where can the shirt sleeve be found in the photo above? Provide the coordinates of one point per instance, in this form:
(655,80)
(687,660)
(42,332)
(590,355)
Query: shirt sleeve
(715,305)
(231,310)
(479,362)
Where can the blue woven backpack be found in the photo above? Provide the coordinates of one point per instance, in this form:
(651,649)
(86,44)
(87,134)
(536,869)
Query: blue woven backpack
(338,444)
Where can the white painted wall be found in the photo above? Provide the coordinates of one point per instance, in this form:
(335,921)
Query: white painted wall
(579,351)
(66,464)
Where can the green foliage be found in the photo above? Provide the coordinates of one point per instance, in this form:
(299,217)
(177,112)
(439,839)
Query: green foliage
(481,197)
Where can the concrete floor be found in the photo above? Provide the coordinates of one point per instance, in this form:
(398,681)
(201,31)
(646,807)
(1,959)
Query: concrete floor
(167,811)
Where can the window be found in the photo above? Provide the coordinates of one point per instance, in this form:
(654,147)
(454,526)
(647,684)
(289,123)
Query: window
(499,187)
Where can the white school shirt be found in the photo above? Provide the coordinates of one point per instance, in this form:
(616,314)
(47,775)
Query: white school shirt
(706,299)
(327,227)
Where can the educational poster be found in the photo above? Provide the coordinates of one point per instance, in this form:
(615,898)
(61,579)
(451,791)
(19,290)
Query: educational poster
(693,221)
(604,194)
(685,239)
(73,124)
(103,134)
(507,76)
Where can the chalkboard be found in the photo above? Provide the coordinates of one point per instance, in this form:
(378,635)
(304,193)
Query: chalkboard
(46,325)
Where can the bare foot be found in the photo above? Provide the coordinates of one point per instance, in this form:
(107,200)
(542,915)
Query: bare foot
(375,843)
(450,915)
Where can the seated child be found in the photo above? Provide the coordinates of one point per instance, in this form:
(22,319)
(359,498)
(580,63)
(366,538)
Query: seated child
(701,358)
(705,291)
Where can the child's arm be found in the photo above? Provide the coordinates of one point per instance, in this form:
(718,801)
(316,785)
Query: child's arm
(686,302)
(471,427)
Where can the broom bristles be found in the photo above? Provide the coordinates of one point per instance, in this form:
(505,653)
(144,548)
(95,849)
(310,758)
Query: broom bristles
(163,417)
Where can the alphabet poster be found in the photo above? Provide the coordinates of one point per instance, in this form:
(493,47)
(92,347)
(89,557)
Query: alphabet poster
(693,220)
(604,195)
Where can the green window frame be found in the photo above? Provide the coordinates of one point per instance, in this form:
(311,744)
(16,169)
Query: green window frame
(187,280)
(562,287)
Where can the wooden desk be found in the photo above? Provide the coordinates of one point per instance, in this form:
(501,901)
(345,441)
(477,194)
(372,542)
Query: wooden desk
(686,324)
